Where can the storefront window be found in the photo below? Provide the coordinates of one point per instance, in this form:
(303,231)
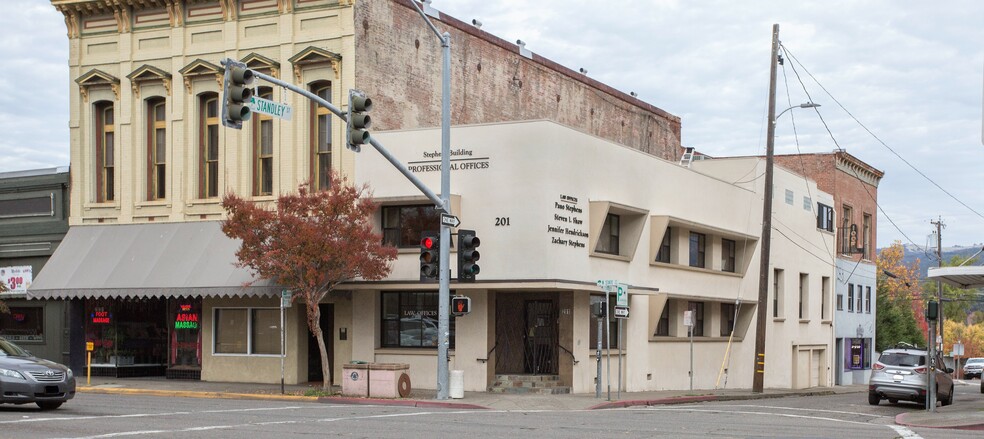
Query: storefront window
(186,335)
(409,320)
(858,356)
(23,324)
(127,332)
(257,329)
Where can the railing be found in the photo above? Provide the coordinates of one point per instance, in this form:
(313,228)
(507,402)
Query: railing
(569,352)
(488,355)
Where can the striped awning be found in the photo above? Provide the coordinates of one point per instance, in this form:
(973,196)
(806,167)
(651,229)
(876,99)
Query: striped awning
(190,259)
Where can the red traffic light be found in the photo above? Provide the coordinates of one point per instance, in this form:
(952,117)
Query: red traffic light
(428,242)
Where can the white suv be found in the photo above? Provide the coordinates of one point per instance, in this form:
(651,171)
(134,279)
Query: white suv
(902,373)
(973,367)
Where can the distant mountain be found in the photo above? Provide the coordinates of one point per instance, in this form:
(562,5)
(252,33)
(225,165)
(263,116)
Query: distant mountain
(927,257)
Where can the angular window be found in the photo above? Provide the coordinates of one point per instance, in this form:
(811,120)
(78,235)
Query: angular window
(728,255)
(697,313)
(208,150)
(727,318)
(663,326)
(409,320)
(608,241)
(403,225)
(156,149)
(697,249)
(105,153)
(263,148)
(612,325)
(320,138)
(825,217)
(664,247)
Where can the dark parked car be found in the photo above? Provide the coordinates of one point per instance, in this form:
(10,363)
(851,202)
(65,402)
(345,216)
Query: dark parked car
(902,373)
(26,379)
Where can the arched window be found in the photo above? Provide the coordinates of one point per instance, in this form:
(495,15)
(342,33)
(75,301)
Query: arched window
(208,145)
(263,148)
(105,152)
(320,138)
(156,149)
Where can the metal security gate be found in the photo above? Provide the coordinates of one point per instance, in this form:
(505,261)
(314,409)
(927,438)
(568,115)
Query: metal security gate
(540,337)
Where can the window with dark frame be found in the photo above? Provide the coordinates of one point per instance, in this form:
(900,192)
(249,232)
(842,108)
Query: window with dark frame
(728,255)
(404,225)
(860,308)
(608,240)
(727,318)
(867,300)
(845,231)
(866,235)
(850,297)
(105,153)
(840,302)
(697,249)
(409,320)
(263,148)
(321,137)
(209,146)
(825,217)
(698,316)
(663,326)
(663,255)
(23,324)
(612,324)
(804,299)
(156,149)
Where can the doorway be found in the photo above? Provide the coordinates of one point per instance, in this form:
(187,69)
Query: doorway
(314,353)
(540,337)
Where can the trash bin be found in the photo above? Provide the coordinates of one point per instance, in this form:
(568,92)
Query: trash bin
(355,379)
(456,389)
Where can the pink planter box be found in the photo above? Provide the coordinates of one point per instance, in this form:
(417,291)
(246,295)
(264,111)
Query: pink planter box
(375,380)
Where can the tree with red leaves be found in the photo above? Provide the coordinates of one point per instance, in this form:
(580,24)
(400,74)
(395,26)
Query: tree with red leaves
(311,243)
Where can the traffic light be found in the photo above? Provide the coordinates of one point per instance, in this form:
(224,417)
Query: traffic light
(236,94)
(430,256)
(460,305)
(467,255)
(358,120)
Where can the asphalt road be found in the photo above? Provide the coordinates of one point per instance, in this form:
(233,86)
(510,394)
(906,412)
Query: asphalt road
(105,416)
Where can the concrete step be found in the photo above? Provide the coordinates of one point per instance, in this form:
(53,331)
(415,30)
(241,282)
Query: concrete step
(528,384)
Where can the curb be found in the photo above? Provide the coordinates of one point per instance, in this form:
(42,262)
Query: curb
(900,419)
(193,394)
(399,403)
(701,398)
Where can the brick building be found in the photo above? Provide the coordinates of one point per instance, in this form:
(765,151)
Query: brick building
(854,185)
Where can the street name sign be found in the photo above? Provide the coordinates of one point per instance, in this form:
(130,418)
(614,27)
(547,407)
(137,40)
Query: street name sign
(449,220)
(271,108)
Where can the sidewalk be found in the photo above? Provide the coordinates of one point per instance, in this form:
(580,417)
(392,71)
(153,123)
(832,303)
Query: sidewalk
(958,416)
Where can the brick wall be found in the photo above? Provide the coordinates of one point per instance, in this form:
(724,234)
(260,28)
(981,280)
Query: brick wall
(398,63)
(845,185)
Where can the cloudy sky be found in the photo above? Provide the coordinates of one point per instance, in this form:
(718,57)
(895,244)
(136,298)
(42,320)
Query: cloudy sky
(911,72)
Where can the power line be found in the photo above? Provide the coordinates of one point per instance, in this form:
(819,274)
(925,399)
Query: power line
(793,57)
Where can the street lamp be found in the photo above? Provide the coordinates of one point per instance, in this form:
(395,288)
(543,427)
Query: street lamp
(803,105)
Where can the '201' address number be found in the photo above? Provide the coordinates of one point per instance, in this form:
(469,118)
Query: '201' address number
(502,221)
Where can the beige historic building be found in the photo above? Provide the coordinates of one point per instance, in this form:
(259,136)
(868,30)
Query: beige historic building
(566,181)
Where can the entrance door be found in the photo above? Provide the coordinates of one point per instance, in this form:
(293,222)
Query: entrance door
(314,353)
(540,337)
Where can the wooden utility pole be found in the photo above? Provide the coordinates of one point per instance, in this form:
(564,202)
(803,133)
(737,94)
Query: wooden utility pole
(766,248)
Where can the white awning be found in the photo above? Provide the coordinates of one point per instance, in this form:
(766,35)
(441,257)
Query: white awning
(960,277)
(190,259)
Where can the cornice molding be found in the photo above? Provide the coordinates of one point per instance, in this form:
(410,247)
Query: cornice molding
(256,61)
(315,55)
(97,78)
(200,67)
